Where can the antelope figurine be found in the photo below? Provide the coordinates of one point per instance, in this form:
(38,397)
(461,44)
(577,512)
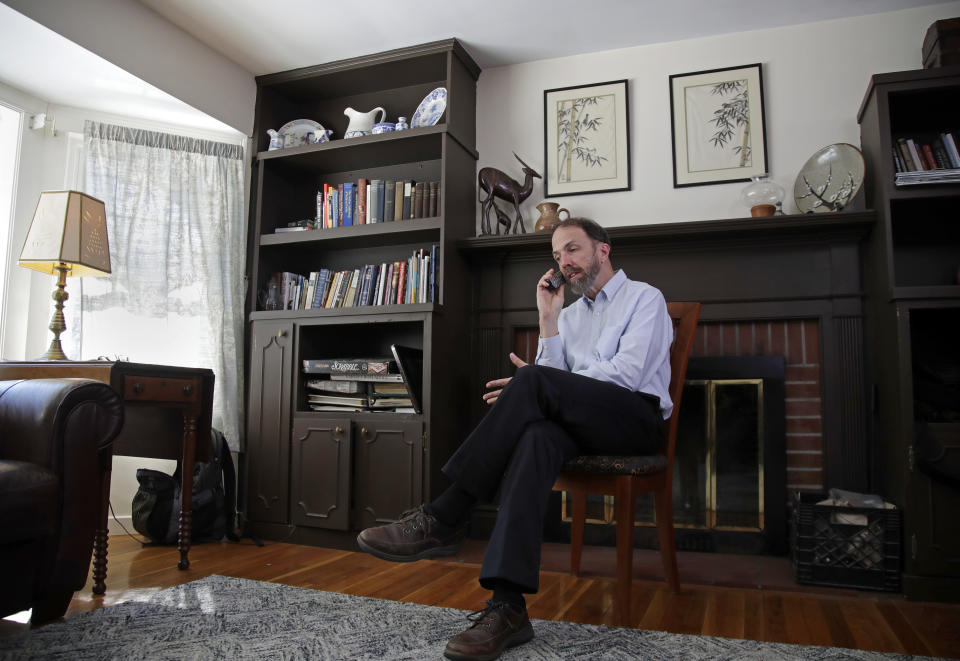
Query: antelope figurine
(498,184)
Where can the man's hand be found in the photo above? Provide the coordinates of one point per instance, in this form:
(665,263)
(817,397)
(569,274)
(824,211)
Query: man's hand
(549,304)
(491,397)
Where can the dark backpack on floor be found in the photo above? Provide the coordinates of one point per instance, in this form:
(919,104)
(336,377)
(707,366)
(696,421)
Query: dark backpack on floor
(156,505)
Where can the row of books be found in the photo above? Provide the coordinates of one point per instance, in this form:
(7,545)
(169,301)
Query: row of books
(388,283)
(376,201)
(361,384)
(935,152)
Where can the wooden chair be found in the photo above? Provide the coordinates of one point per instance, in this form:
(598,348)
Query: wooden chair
(627,477)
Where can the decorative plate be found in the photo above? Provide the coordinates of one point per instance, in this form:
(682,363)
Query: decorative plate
(298,132)
(830,179)
(430,109)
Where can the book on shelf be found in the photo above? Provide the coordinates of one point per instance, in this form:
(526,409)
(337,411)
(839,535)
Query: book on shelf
(397,200)
(434,197)
(389,402)
(361,215)
(348,203)
(341,400)
(350,387)
(939,176)
(335,408)
(388,200)
(407,198)
(376,378)
(386,388)
(350,366)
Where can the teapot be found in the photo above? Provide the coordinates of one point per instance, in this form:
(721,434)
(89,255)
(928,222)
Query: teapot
(361,123)
(549,216)
(276,140)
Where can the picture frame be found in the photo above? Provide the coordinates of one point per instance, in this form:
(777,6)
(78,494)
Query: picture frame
(717,124)
(586,139)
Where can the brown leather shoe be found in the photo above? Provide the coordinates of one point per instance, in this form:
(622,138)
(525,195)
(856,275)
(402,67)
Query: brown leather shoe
(494,629)
(415,536)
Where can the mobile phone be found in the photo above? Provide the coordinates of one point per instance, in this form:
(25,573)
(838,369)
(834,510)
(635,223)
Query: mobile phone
(555,280)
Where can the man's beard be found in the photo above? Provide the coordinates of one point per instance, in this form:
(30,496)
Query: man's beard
(582,285)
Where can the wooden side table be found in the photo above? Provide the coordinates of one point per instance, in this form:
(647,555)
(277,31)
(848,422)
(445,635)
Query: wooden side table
(168,412)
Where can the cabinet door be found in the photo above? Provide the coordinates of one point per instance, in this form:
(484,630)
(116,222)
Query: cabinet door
(321,473)
(268,421)
(932,536)
(389,470)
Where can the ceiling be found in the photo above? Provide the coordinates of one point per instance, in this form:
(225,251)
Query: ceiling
(264,37)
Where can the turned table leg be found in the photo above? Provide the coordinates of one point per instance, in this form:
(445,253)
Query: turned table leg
(100,534)
(186,489)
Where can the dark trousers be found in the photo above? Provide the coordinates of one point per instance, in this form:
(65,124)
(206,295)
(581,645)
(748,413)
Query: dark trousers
(543,417)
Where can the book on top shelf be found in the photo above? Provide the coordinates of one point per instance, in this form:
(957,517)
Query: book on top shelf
(353,366)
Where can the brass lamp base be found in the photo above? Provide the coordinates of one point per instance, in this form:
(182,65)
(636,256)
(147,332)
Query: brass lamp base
(58,324)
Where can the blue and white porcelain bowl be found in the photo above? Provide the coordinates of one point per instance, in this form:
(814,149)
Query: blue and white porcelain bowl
(355,134)
(382,127)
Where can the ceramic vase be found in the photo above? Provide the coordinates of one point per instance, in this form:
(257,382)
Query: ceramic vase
(549,216)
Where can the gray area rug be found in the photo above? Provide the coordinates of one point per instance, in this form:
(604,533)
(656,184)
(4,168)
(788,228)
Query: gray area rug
(220,617)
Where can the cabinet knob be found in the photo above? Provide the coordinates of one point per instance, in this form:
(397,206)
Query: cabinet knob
(363,431)
(188,390)
(138,388)
(338,430)
(281,333)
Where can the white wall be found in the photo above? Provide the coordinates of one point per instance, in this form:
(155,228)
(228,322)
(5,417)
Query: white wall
(815,76)
(142,42)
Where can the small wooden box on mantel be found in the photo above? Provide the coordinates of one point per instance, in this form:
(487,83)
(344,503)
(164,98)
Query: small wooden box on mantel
(941,46)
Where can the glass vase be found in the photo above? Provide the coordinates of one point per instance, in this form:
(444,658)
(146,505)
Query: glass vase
(762,195)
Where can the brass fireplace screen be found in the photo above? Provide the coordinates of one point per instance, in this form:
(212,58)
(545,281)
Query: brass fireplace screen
(718,478)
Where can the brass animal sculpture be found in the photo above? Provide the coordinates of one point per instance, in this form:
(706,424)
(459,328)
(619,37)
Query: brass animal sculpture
(498,184)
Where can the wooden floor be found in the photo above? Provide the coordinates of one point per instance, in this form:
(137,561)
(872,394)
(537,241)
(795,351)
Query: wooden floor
(846,618)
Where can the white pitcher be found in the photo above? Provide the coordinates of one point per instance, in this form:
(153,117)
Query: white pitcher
(361,123)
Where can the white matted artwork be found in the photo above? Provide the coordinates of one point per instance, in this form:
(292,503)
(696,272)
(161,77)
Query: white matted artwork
(718,127)
(586,139)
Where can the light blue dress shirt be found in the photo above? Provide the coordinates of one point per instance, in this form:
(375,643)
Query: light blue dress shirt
(623,336)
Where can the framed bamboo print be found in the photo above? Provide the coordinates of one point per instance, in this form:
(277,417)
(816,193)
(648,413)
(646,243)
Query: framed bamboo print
(586,139)
(716,118)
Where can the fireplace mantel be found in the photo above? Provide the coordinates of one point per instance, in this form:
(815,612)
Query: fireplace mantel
(744,269)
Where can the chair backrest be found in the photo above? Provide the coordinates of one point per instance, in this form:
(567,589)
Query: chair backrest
(685,315)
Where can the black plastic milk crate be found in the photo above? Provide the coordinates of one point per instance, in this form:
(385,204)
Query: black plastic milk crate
(826,551)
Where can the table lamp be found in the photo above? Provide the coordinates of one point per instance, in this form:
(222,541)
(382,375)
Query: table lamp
(68,236)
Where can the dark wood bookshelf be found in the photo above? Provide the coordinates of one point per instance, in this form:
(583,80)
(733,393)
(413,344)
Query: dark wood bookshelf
(342,470)
(913,305)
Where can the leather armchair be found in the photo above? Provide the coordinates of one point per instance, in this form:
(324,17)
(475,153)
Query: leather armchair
(55,442)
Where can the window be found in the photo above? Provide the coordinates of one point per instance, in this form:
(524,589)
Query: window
(10,121)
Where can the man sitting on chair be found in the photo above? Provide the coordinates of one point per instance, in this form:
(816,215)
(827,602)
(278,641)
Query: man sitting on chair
(599,386)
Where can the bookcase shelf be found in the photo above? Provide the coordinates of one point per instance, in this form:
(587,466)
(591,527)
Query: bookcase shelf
(335,238)
(364,152)
(379,313)
(318,471)
(913,306)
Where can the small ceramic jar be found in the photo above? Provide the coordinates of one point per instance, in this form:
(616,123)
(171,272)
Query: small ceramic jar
(401,125)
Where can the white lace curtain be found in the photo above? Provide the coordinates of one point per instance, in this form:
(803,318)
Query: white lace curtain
(177,243)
